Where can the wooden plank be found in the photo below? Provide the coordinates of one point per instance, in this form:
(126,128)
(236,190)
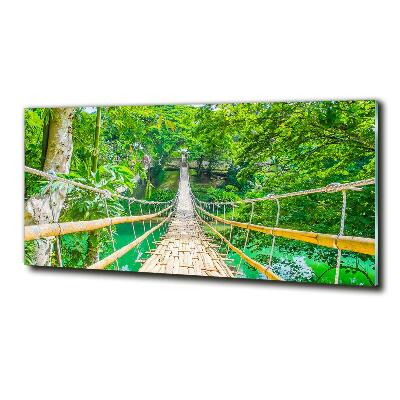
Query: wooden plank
(185,248)
(176,268)
(123,250)
(170,264)
(266,271)
(149,264)
(182,265)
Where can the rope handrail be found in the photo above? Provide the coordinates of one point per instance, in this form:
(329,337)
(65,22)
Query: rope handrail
(266,271)
(331,188)
(351,243)
(107,193)
(32,232)
(123,250)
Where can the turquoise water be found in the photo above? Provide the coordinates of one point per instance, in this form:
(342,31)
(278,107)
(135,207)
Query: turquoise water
(299,266)
(124,235)
(302,268)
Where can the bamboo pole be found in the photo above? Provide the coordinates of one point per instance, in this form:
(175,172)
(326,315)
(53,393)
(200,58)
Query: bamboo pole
(33,232)
(267,272)
(351,243)
(123,250)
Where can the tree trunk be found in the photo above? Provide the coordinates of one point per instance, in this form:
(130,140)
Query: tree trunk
(199,166)
(149,186)
(92,255)
(95,158)
(45,138)
(46,208)
(210,168)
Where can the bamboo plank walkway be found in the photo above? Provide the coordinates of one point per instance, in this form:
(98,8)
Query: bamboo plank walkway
(185,248)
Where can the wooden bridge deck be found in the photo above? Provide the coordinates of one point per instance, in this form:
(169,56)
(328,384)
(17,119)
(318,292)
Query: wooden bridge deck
(185,248)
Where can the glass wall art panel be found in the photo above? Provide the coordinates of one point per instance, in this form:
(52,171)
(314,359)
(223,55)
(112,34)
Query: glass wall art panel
(282,191)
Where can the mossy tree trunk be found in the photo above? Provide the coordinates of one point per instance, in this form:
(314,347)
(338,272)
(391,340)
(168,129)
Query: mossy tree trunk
(95,158)
(45,137)
(199,168)
(46,208)
(92,255)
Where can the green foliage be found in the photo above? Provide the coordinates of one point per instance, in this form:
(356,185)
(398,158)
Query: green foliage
(306,143)
(211,141)
(33,129)
(231,188)
(82,204)
(162,195)
(220,195)
(29,248)
(74,248)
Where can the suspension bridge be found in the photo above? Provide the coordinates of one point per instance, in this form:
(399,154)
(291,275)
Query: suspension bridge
(189,243)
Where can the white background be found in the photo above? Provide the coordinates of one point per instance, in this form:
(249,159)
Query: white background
(69,335)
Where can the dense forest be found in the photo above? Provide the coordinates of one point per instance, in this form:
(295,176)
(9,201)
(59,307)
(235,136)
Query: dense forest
(235,151)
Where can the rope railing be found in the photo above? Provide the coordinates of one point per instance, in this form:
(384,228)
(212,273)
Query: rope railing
(266,271)
(123,250)
(339,241)
(153,211)
(331,188)
(351,243)
(33,232)
(104,192)
(56,229)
